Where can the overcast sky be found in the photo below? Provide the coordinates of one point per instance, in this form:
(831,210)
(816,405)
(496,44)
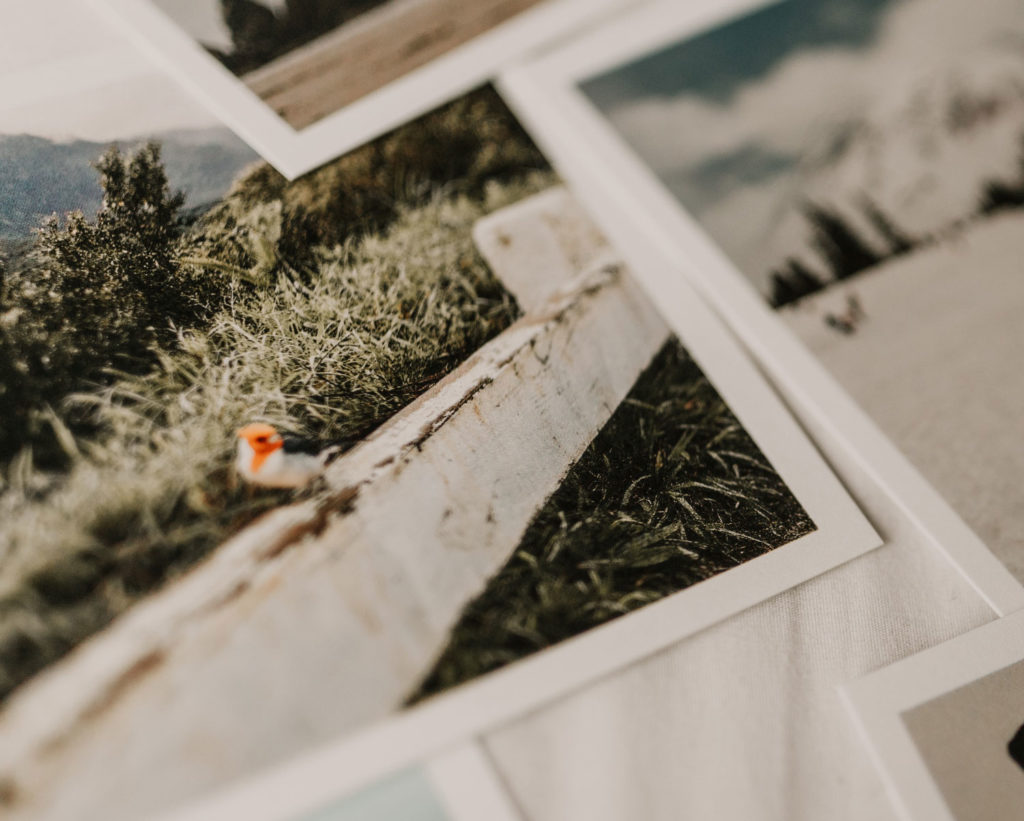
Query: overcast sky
(761,79)
(202,19)
(724,118)
(65,73)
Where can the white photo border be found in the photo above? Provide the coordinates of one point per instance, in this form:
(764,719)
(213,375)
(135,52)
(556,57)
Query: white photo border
(468,785)
(294,152)
(878,701)
(638,212)
(843,533)
(462,782)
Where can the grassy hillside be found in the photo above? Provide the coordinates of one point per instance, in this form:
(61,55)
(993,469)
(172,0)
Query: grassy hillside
(338,299)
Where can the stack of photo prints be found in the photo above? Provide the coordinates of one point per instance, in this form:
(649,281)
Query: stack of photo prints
(511,410)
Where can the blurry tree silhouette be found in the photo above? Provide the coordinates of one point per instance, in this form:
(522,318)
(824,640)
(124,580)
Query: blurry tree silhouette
(254,30)
(1016,747)
(899,241)
(95,296)
(792,282)
(839,245)
(997,195)
(259,35)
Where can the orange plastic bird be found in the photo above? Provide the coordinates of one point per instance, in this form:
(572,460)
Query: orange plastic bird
(267,458)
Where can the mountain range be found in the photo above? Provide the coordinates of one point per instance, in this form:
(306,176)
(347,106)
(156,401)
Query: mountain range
(39,176)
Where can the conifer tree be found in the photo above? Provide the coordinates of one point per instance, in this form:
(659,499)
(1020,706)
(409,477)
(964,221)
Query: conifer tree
(997,195)
(792,282)
(807,282)
(117,276)
(899,241)
(95,295)
(781,289)
(839,245)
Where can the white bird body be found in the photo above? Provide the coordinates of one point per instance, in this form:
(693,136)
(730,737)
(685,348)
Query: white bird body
(265,457)
(277,469)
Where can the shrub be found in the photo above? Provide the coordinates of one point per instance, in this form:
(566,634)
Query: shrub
(94,297)
(116,278)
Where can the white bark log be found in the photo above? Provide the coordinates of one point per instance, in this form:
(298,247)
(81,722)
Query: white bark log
(539,244)
(324,615)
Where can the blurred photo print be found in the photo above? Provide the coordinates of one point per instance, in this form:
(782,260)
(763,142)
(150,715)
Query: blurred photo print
(306,80)
(966,738)
(300,463)
(277,47)
(946,726)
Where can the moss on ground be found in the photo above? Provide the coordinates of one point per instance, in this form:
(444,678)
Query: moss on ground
(671,492)
(328,324)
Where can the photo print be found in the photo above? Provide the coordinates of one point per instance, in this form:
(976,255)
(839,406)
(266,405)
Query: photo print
(946,725)
(112,170)
(373,42)
(370,459)
(306,80)
(966,738)
(857,163)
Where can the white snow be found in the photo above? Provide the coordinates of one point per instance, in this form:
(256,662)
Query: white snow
(937,362)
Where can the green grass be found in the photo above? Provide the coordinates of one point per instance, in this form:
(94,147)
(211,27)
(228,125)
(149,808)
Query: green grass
(326,328)
(671,492)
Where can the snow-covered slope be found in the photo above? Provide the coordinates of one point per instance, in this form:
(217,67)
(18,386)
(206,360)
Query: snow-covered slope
(922,153)
(935,361)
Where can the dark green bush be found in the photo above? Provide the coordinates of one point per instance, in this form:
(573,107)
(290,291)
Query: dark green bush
(94,297)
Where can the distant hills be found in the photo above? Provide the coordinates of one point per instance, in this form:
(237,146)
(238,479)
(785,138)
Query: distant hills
(39,176)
